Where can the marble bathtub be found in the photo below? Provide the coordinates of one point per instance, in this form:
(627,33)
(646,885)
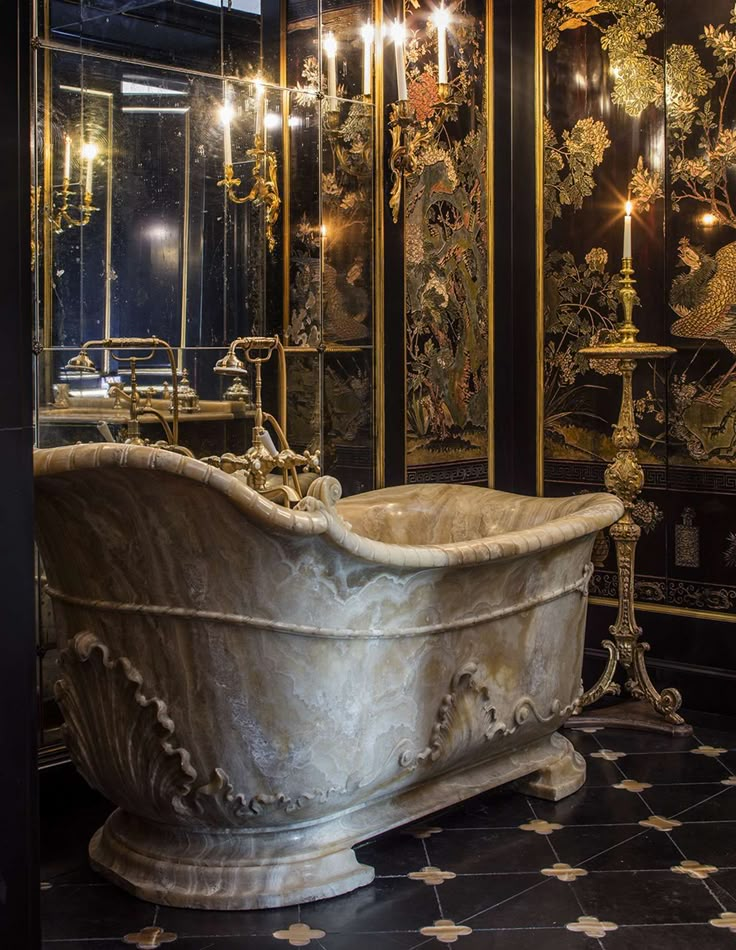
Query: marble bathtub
(258,689)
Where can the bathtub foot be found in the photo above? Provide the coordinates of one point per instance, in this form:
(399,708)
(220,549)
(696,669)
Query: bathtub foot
(179,868)
(563,775)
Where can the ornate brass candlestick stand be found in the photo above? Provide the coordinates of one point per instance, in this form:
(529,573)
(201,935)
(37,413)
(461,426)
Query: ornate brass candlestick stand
(624,477)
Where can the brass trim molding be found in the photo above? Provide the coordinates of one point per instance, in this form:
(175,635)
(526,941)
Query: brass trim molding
(490,92)
(379,363)
(693,613)
(539,150)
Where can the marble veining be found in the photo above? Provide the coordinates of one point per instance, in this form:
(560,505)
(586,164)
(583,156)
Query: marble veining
(258,689)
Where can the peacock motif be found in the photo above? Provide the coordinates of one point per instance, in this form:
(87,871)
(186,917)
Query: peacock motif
(704,298)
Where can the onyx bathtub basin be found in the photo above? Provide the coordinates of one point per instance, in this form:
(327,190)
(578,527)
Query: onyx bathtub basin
(257,689)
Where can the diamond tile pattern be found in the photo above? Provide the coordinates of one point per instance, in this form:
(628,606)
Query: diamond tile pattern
(644,856)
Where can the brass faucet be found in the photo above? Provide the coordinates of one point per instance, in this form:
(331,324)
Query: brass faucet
(83,364)
(262,458)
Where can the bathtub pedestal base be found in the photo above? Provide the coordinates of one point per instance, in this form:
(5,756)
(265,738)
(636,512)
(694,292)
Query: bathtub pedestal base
(240,869)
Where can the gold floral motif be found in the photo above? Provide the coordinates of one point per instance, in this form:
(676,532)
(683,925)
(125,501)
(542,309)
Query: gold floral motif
(541,827)
(564,872)
(710,751)
(592,927)
(694,869)
(727,920)
(149,937)
(630,785)
(659,823)
(432,876)
(299,935)
(608,754)
(446,931)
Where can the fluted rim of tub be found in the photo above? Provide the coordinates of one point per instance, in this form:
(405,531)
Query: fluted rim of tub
(597,511)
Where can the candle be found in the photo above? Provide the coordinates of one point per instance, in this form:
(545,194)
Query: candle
(398,35)
(260,109)
(330,46)
(367,34)
(226,114)
(627,231)
(67,158)
(441,21)
(89,151)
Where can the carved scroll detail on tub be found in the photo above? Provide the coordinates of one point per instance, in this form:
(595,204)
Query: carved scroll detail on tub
(124,744)
(466,717)
(121,741)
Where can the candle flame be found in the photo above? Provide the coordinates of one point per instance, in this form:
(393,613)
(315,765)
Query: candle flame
(89,151)
(367,32)
(329,44)
(441,18)
(226,114)
(629,208)
(398,32)
(708,219)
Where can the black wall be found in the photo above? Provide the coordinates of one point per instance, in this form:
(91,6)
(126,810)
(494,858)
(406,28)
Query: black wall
(19,884)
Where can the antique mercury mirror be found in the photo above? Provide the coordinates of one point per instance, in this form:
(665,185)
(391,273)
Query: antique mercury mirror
(203,171)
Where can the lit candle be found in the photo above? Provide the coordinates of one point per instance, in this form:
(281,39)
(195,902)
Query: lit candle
(89,151)
(442,21)
(367,34)
(330,45)
(627,231)
(226,114)
(398,35)
(260,109)
(67,158)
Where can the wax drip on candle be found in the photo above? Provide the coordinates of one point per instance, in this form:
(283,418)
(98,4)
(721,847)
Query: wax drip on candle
(398,35)
(441,21)
(627,231)
(330,48)
(226,115)
(367,35)
(67,157)
(89,152)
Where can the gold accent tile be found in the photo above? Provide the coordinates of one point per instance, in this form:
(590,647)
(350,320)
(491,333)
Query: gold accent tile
(541,827)
(731,780)
(694,869)
(727,920)
(432,876)
(608,754)
(630,785)
(446,931)
(659,823)
(299,935)
(149,937)
(592,927)
(563,872)
(423,832)
(710,750)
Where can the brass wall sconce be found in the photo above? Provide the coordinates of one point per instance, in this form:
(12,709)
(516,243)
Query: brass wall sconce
(83,364)
(407,139)
(263,458)
(264,190)
(64,213)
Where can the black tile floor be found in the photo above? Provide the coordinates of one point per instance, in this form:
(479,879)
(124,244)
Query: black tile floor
(642,858)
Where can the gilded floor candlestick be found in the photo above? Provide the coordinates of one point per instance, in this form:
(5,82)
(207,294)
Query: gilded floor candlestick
(624,477)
